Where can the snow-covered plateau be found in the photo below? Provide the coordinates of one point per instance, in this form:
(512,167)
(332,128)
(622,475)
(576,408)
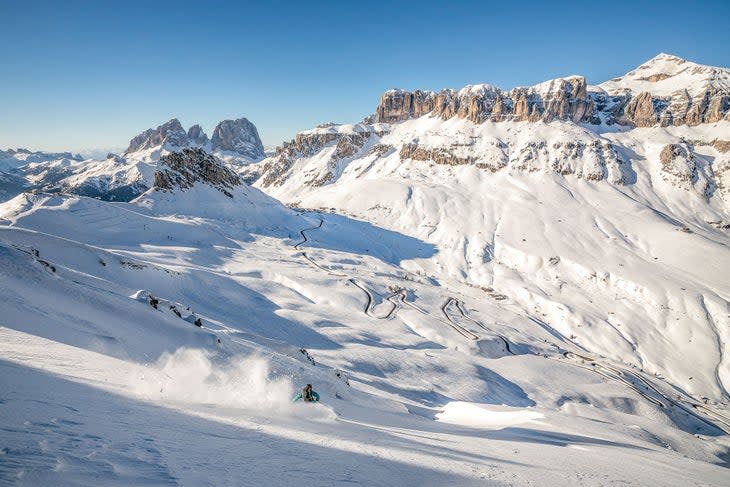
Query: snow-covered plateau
(484,287)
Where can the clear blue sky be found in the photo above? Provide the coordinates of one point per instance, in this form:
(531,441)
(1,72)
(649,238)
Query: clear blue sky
(95,73)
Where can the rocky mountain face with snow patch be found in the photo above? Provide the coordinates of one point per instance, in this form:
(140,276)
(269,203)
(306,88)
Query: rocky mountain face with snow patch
(182,170)
(563,126)
(341,143)
(170,134)
(197,136)
(238,136)
(666,90)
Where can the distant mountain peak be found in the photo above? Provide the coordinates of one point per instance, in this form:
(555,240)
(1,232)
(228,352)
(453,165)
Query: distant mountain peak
(664,57)
(238,136)
(170,133)
(677,87)
(197,136)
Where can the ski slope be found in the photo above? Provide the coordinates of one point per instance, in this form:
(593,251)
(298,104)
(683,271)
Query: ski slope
(425,379)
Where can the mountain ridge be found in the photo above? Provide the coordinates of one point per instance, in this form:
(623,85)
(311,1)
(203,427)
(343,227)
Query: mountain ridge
(693,94)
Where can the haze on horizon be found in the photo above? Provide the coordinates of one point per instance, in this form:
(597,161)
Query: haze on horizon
(79,76)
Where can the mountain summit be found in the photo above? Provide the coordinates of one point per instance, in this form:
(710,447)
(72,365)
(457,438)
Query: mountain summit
(170,135)
(238,136)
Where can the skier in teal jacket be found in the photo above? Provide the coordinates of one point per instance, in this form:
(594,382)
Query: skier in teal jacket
(307,395)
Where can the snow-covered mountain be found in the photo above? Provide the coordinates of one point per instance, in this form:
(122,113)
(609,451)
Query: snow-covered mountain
(15,158)
(124,177)
(616,235)
(534,298)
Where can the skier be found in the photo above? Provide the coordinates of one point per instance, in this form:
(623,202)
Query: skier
(307,395)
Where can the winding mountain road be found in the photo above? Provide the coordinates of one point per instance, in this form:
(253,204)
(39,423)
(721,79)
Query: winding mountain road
(633,380)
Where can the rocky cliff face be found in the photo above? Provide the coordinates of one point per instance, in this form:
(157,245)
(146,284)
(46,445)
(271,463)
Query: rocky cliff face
(197,137)
(560,99)
(664,91)
(238,136)
(170,133)
(183,169)
(592,160)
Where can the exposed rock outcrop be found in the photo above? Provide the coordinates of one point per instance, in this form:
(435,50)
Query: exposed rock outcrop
(238,136)
(438,155)
(114,157)
(639,111)
(683,168)
(594,161)
(183,169)
(678,164)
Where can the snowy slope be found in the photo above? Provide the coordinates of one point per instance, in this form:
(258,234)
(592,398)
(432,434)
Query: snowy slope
(615,252)
(614,236)
(424,379)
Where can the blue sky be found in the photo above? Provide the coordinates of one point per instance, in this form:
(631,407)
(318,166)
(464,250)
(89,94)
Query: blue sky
(93,74)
